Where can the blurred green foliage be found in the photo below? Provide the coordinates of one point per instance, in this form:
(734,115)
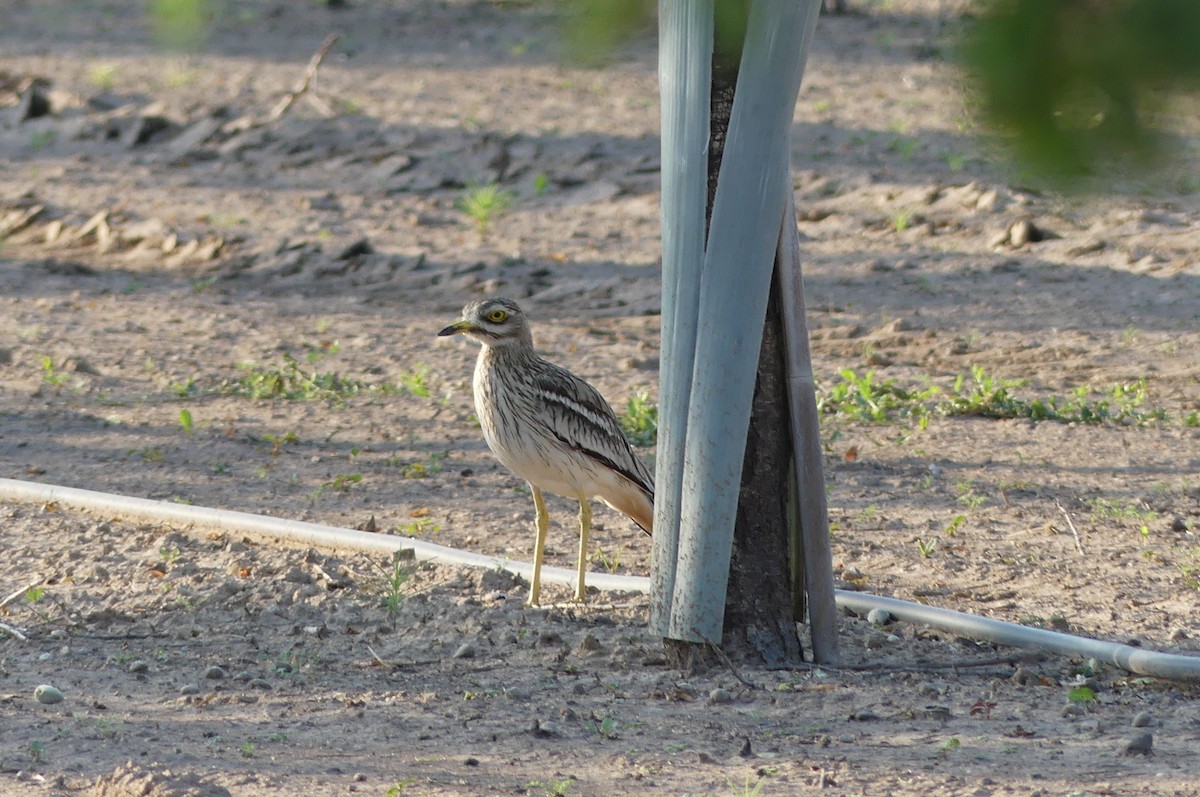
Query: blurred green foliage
(1077,82)
(180,24)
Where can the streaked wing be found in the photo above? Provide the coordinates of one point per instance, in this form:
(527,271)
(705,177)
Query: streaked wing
(580,418)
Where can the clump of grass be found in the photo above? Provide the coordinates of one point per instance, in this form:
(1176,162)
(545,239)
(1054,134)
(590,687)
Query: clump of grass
(394,581)
(864,398)
(290,380)
(483,203)
(640,420)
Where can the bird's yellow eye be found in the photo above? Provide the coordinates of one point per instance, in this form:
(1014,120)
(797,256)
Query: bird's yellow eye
(497,316)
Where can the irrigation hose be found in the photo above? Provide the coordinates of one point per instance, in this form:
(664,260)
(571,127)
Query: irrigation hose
(1133,659)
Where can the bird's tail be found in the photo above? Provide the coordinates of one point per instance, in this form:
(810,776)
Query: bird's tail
(634,501)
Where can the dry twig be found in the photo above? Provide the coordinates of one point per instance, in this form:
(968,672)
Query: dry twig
(1071,525)
(302,86)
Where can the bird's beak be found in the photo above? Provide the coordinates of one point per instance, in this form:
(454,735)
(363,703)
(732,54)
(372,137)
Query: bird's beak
(457,328)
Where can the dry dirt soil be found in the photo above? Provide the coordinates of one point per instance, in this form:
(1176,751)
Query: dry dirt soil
(205,303)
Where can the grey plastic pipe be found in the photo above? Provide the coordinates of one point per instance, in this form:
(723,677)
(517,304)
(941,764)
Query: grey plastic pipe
(1132,659)
(296,531)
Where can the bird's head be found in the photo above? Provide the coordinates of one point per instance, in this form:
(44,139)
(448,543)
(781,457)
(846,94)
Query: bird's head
(492,322)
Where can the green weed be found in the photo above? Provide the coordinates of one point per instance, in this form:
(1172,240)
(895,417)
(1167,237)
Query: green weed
(552,788)
(185,421)
(290,381)
(747,789)
(395,577)
(483,203)
(640,420)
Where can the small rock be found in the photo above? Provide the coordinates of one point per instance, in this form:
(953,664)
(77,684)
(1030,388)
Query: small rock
(719,696)
(1023,232)
(358,248)
(215,673)
(747,751)
(464,651)
(518,693)
(1179,634)
(259,683)
(999,239)
(139,665)
(47,694)
(544,730)
(1139,745)
(864,715)
(935,713)
(47,656)
(589,644)
(1072,710)
(243,676)
(988,202)
(879,617)
(1143,719)
(298,576)
(1178,524)
(1023,677)
(189,689)
(32,104)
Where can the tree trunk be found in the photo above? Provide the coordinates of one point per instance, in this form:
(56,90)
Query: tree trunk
(759,620)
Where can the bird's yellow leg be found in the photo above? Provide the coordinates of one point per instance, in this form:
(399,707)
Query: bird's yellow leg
(585,526)
(539,546)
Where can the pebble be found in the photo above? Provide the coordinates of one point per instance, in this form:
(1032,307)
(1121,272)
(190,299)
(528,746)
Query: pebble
(139,665)
(1142,744)
(1022,232)
(464,651)
(1071,710)
(544,729)
(243,676)
(260,683)
(1023,677)
(864,715)
(215,673)
(189,689)
(1143,719)
(719,696)
(518,693)
(45,656)
(47,694)
(58,633)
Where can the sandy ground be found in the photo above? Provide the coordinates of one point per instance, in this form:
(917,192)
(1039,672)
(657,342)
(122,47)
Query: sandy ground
(205,305)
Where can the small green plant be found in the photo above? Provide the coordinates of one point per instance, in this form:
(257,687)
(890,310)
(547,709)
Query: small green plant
(185,421)
(1124,511)
(184,390)
(900,220)
(607,728)
(396,575)
(1081,694)
(423,470)
(954,525)
(51,375)
(35,594)
(864,398)
(414,381)
(747,789)
(279,441)
(418,527)
(552,788)
(640,420)
(927,547)
(610,562)
(102,75)
(342,482)
(952,743)
(169,555)
(399,786)
(540,183)
(483,203)
(37,751)
(42,139)
(248,750)
(290,381)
